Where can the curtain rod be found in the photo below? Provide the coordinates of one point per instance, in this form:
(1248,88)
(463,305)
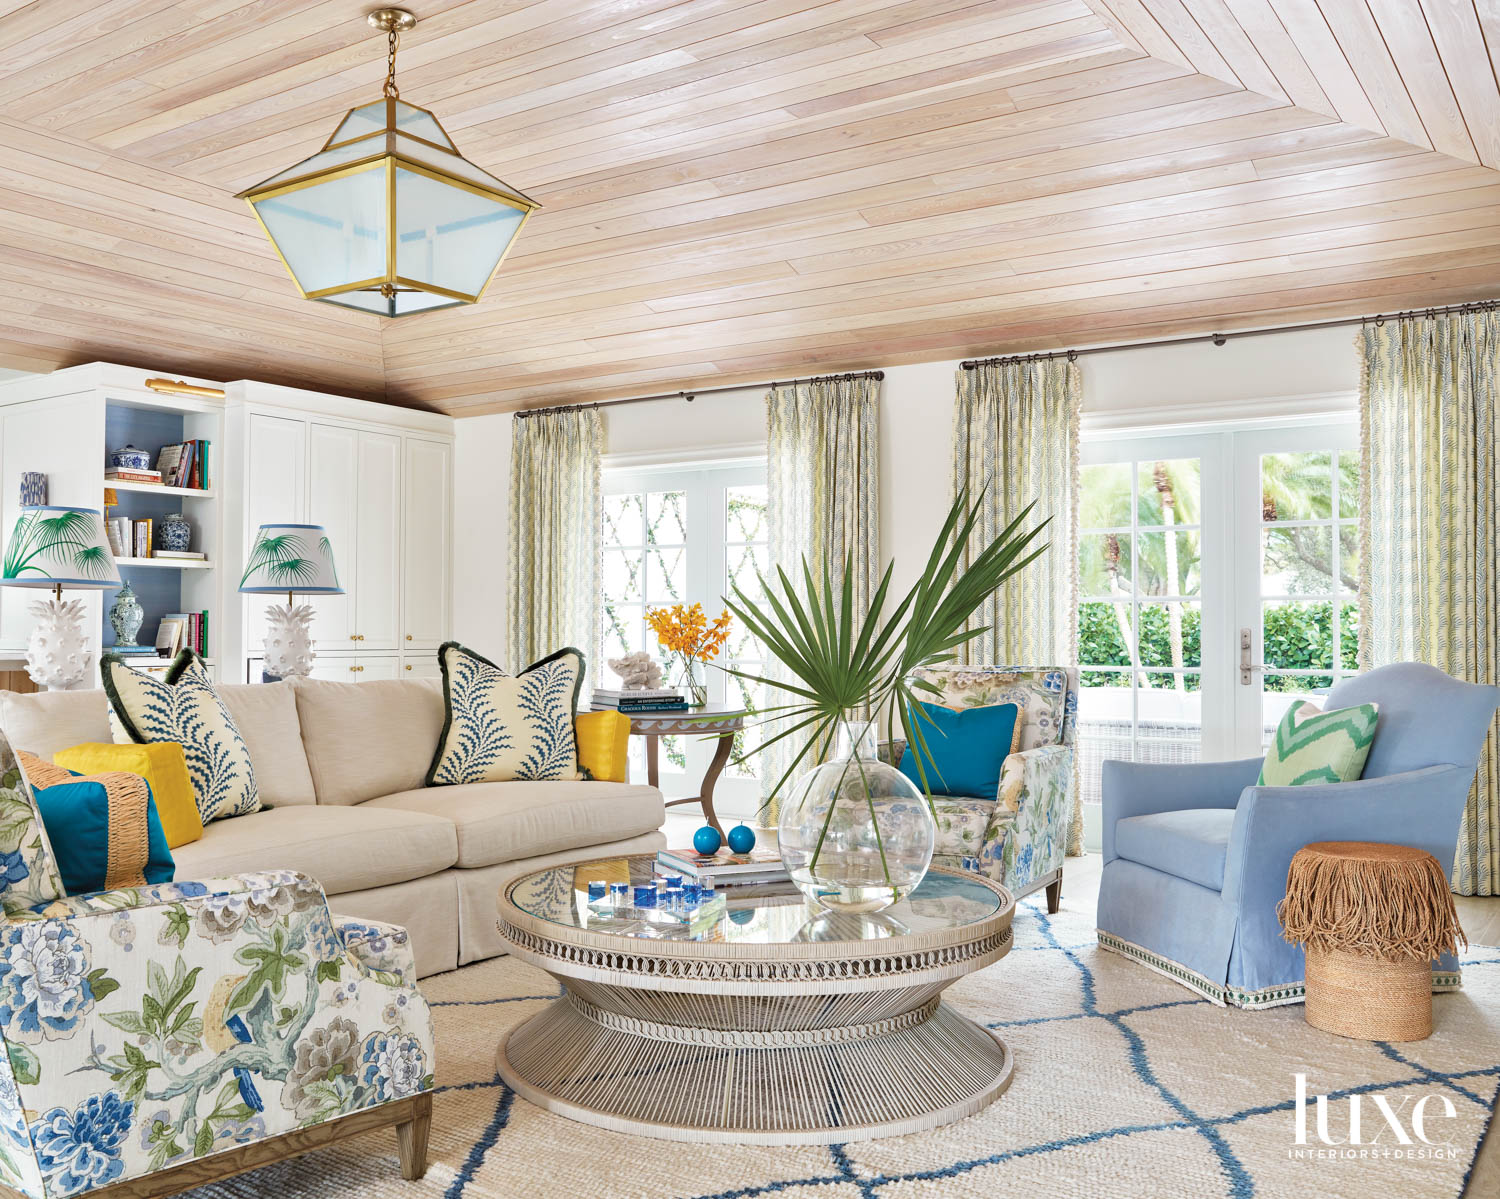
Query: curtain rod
(693,393)
(1220,339)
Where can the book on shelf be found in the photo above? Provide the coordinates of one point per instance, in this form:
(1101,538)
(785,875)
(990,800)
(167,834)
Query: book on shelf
(192,631)
(182,465)
(757,866)
(140,538)
(116,530)
(196,555)
(124,475)
(129,650)
(167,459)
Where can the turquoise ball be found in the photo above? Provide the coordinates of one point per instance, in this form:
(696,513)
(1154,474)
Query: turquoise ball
(741,839)
(706,840)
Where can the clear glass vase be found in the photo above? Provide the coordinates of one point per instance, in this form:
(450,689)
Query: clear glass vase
(694,686)
(855,834)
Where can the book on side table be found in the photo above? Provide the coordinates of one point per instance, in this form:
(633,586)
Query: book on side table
(642,700)
(724,868)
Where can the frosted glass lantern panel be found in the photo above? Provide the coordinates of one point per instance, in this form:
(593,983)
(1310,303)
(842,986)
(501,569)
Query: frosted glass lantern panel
(449,237)
(331,234)
(449,164)
(362,121)
(414,121)
(324,160)
(402,303)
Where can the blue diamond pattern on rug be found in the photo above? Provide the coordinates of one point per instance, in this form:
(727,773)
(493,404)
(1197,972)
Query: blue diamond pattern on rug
(1120,1075)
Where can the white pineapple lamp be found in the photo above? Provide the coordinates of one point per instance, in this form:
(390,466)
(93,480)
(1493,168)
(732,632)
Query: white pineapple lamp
(53,547)
(290,560)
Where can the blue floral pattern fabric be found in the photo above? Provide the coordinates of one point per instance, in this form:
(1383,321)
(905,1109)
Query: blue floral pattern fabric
(185,708)
(156,1025)
(501,727)
(28,871)
(1022,834)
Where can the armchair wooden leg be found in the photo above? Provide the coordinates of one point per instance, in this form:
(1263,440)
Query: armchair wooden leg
(411,1140)
(1054,895)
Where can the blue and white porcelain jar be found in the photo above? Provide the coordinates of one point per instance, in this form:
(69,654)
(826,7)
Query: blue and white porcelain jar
(129,458)
(173,532)
(125,616)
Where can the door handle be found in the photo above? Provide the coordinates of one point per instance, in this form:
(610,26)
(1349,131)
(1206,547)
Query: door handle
(1247,667)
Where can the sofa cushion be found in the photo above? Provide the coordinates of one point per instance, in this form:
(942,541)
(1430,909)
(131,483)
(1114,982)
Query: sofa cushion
(501,728)
(368,739)
(266,715)
(47,721)
(184,707)
(344,848)
(1191,843)
(500,822)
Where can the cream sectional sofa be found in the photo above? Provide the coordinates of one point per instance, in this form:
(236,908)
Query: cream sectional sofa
(340,768)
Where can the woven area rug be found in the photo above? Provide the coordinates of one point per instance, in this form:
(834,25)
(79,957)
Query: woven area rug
(1126,1085)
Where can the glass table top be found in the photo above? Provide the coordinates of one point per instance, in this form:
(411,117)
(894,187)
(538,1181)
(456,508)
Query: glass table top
(776,914)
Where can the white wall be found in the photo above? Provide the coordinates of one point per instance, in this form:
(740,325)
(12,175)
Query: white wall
(1275,375)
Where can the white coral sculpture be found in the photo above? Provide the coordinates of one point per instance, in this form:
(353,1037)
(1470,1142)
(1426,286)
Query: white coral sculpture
(638,671)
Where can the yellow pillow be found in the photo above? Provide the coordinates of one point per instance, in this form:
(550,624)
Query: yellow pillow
(162,765)
(603,744)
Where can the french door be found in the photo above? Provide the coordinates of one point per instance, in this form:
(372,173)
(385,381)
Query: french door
(1217,584)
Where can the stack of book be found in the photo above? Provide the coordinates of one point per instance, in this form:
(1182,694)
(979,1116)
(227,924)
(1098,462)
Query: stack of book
(128,474)
(182,630)
(726,869)
(641,700)
(185,465)
(132,539)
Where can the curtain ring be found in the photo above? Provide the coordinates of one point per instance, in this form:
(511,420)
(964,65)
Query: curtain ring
(1072,355)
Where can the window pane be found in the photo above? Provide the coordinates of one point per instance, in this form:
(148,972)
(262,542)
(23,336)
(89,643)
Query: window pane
(1169,491)
(1104,563)
(622,520)
(1167,563)
(1349,483)
(1282,691)
(1105,633)
(747,564)
(1104,726)
(745,513)
(1104,501)
(1349,636)
(1298,636)
(666,575)
(666,518)
(1296,486)
(624,631)
(1297,561)
(1169,634)
(622,575)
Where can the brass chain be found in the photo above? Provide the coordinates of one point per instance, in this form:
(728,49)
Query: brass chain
(391,91)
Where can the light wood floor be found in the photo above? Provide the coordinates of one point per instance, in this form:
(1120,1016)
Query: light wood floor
(1480,919)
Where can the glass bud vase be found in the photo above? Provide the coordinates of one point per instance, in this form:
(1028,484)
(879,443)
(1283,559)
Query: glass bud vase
(693,685)
(855,834)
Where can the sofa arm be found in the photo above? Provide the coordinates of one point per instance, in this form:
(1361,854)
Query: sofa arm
(603,744)
(1145,788)
(1027,834)
(1422,808)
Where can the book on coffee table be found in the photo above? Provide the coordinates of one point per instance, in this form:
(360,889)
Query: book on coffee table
(731,869)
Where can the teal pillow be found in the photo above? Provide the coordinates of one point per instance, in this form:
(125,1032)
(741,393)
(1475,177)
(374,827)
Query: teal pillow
(967,747)
(79,815)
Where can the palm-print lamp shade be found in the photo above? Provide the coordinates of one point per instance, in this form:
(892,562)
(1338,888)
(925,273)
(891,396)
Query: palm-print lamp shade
(291,558)
(53,546)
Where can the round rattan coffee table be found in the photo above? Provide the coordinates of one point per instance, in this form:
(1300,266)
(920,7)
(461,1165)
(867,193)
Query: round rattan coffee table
(770,1024)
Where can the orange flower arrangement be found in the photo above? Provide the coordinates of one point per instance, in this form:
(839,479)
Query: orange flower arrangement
(686,633)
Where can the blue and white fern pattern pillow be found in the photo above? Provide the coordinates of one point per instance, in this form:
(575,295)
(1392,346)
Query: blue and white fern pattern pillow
(502,728)
(186,709)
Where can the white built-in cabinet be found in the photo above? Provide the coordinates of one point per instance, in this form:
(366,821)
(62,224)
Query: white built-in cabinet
(383,490)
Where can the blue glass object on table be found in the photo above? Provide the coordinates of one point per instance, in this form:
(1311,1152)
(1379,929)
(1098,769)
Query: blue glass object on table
(673,896)
(645,895)
(707,840)
(598,890)
(741,839)
(619,894)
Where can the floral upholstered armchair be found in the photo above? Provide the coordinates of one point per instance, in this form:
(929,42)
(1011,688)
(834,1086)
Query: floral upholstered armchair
(191,1030)
(1020,835)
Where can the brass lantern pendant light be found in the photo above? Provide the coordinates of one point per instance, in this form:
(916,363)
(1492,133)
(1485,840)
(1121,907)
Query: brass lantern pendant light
(388,217)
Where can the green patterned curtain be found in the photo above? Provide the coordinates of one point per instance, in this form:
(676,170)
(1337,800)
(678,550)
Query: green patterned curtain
(556,506)
(822,496)
(1429,523)
(1015,439)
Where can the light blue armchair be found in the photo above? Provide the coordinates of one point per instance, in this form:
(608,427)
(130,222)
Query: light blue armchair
(1196,856)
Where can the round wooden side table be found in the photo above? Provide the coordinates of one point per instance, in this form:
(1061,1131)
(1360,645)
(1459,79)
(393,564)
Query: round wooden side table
(1371,918)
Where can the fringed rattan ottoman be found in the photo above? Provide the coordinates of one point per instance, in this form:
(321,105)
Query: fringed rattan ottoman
(1371,918)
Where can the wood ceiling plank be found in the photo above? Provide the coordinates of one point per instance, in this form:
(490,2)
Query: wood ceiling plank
(1281,54)
(1407,36)
(1325,58)
(1363,46)
(1222,28)
(1133,20)
(1455,28)
(1179,23)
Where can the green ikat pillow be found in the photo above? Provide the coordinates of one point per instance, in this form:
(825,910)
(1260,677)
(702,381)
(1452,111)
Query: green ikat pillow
(1313,746)
(501,728)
